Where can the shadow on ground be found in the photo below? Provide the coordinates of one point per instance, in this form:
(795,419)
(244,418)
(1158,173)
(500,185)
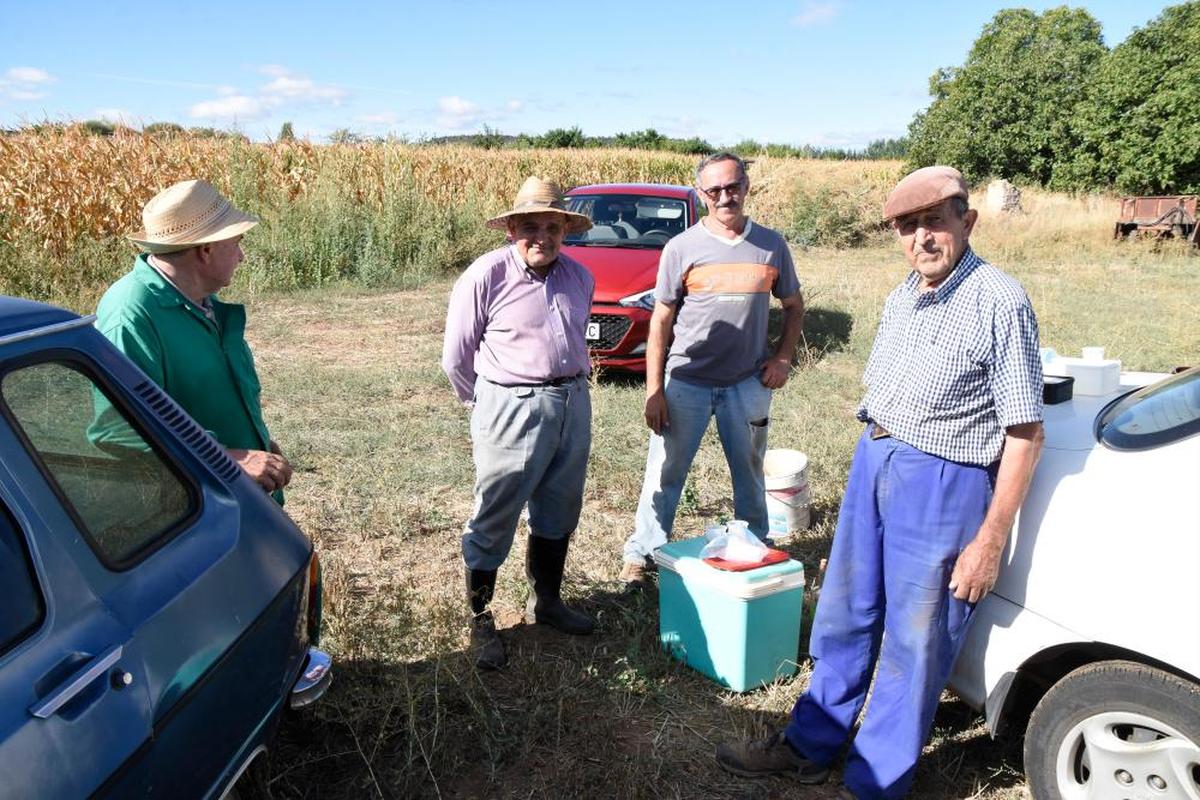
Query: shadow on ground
(606,716)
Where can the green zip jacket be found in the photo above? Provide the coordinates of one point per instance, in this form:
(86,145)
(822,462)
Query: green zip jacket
(204,365)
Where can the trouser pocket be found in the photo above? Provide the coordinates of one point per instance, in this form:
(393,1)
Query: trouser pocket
(503,416)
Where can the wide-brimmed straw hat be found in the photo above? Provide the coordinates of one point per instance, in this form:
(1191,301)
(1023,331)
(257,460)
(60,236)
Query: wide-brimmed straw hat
(536,196)
(187,214)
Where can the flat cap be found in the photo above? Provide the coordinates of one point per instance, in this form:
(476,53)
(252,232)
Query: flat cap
(924,188)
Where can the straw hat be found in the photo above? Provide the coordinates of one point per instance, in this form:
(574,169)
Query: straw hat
(187,214)
(536,196)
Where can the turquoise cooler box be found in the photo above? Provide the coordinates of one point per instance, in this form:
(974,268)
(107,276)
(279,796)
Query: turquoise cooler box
(742,629)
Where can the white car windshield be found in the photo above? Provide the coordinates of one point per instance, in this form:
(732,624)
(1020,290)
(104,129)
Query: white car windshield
(628,220)
(1158,414)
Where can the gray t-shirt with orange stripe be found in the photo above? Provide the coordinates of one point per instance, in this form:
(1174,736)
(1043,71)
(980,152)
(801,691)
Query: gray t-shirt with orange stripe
(722,290)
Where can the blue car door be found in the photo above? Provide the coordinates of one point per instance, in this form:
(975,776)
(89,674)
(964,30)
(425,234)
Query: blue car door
(73,704)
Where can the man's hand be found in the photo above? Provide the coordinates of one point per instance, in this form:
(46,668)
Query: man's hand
(978,564)
(656,412)
(271,470)
(775,372)
(977,567)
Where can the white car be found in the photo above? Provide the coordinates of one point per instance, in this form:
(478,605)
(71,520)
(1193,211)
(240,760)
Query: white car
(1090,641)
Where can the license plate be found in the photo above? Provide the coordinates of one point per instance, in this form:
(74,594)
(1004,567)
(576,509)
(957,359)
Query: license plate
(593,331)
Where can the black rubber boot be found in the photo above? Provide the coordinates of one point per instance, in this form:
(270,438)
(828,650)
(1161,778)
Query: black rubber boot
(544,565)
(486,646)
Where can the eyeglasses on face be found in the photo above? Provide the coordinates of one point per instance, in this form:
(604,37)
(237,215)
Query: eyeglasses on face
(735,188)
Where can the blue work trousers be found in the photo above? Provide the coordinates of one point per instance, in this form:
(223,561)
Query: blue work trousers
(531,445)
(886,609)
(743,414)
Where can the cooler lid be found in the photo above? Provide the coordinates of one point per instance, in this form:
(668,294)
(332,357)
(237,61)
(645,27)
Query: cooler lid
(683,558)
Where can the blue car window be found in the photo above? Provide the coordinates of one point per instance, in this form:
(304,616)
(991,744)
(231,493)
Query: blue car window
(22,608)
(122,491)
(1154,415)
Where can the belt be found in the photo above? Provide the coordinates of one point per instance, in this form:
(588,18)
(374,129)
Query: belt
(877,431)
(563,381)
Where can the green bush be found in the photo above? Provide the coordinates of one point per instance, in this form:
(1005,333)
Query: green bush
(829,217)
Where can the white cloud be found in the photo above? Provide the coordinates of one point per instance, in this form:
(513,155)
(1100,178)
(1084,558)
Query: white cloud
(286,88)
(234,106)
(293,87)
(29,75)
(25,83)
(815,13)
(456,113)
(112,114)
(515,105)
(385,118)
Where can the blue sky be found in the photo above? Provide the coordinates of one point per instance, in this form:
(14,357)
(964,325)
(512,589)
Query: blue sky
(821,72)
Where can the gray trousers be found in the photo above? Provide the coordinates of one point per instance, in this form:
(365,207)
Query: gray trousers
(531,446)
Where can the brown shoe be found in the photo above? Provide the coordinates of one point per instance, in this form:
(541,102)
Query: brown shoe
(769,756)
(633,572)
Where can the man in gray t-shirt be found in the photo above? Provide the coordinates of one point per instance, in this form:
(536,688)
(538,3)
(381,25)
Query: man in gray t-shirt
(713,297)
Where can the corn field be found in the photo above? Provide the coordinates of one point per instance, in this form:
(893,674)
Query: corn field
(386,213)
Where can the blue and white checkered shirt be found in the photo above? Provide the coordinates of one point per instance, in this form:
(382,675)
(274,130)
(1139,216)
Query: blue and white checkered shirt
(953,367)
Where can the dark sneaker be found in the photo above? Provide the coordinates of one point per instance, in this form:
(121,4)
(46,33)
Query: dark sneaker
(769,756)
(486,646)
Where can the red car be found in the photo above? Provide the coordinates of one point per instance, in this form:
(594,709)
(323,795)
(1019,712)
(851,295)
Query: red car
(631,222)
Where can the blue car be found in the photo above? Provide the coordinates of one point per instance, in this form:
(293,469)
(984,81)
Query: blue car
(159,608)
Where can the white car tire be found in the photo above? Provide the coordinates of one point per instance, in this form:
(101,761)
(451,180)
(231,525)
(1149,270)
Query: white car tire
(1116,729)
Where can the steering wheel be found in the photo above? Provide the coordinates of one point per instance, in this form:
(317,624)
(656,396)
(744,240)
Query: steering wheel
(656,232)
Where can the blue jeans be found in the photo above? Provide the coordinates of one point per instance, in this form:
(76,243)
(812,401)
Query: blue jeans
(743,413)
(886,604)
(531,446)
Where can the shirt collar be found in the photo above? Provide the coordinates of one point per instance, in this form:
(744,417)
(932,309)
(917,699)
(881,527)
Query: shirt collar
(164,290)
(729,242)
(967,263)
(526,270)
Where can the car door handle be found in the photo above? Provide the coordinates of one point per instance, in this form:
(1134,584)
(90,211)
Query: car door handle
(76,683)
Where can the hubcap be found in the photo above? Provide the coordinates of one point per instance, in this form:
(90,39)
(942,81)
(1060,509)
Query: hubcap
(1120,755)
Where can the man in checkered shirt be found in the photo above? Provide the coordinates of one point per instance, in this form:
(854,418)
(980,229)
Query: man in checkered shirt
(953,413)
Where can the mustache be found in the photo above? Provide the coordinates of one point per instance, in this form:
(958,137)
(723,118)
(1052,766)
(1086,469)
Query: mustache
(729,204)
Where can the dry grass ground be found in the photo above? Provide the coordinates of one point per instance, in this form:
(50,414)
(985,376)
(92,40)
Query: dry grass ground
(354,392)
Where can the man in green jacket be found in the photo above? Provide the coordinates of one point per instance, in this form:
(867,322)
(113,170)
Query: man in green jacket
(165,316)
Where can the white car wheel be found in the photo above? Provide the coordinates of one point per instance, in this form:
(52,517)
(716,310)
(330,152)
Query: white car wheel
(1116,730)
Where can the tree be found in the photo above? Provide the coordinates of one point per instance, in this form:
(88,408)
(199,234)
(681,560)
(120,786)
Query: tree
(164,129)
(1137,127)
(648,139)
(887,148)
(1007,109)
(344,136)
(488,138)
(286,134)
(99,127)
(563,137)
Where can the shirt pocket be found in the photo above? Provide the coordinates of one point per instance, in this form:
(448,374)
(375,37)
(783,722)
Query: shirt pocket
(952,374)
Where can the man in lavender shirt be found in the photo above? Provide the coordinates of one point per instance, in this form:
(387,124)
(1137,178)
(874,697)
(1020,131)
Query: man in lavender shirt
(516,355)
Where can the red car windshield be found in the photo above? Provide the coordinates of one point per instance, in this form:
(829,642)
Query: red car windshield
(628,220)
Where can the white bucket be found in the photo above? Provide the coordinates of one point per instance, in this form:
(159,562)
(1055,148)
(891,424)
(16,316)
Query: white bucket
(785,473)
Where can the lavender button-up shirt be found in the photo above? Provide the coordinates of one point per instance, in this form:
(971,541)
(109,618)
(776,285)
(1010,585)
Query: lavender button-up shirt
(510,326)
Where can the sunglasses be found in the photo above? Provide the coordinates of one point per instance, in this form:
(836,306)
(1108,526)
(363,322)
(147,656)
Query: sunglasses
(737,187)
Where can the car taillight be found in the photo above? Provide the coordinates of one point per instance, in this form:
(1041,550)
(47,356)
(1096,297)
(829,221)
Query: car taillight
(314,599)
